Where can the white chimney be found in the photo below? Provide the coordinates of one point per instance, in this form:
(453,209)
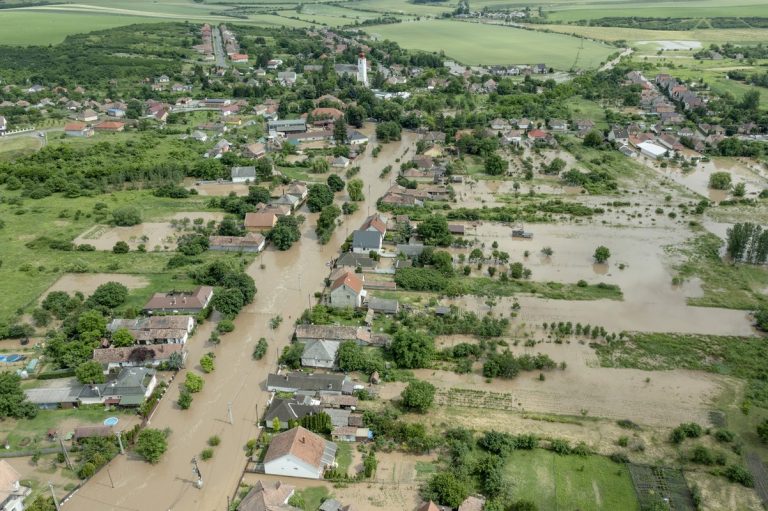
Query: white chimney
(362,69)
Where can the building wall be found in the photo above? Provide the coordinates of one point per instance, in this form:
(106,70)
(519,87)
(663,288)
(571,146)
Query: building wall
(291,466)
(344,297)
(313,362)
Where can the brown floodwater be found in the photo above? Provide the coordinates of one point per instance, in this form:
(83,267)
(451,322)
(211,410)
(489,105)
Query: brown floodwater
(285,286)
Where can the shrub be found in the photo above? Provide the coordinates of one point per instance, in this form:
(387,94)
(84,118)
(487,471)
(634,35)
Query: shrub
(685,430)
(185,399)
(724,435)
(214,441)
(193,383)
(121,247)
(206,454)
(560,446)
(151,444)
(739,474)
(225,326)
(260,349)
(418,395)
(207,363)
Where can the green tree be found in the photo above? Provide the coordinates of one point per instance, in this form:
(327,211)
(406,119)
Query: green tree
(412,349)
(258,195)
(276,424)
(388,131)
(291,356)
(370,463)
(593,139)
(126,216)
(110,295)
(260,349)
(762,430)
(41,503)
(228,301)
(602,254)
(355,116)
(151,444)
(335,183)
(495,165)
(13,401)
(418,395)
(720,180)
(447,489)
(320,166)
(121,247)
(193,382)
(340,131)
(185,399)
(122,338)
(90,372)
(355,190)
(434,231)
(320,195)
(285,233)
(92,321)
(207,363)
(319,423)
(263,169)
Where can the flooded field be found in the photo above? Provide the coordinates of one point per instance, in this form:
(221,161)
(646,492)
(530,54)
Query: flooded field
(285,285)
(155,236)
(659,398)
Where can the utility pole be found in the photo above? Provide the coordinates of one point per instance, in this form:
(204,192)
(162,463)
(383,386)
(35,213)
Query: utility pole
(55,502)
(110,478)
(196,471)
(229,412)
(120,442)
(66,454)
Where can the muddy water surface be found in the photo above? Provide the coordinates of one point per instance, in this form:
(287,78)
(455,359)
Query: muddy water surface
(285,286)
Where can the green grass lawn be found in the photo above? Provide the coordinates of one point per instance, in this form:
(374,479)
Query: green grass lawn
(14,147)
(582,108)
(54,217)
(344,456)
(34,430)
(698,9)
(309,499)
(474,43)
(588,483)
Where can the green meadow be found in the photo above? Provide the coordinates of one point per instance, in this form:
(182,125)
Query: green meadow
(475,43)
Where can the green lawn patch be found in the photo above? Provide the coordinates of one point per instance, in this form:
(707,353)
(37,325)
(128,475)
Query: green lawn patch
(344,456)
(731,286)
(309,499)
(553,481)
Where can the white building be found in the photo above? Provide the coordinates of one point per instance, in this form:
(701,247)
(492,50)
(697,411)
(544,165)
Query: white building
(11,492)
(362,69)
(347,291)
(299,453)
(651,150)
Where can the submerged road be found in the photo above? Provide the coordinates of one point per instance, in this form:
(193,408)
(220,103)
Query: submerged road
(286,282)
(218,48)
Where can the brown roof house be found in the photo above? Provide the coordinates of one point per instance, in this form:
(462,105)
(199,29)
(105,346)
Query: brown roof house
(347,291)
(156,329)
(273,497)
(257,222)
(251,242)
(179,302)
(299,453)
(78,129)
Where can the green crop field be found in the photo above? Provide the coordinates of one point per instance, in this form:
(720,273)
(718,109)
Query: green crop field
(404,7)
(702,9)
(732,35)
(570,482)
(41,27)
(474,43)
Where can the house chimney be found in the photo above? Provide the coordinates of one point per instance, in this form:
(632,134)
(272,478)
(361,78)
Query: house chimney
(303,440)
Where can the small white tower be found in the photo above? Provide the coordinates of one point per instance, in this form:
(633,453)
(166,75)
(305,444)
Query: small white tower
(362,69)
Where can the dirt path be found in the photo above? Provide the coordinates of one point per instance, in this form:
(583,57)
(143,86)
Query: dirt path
(285,286)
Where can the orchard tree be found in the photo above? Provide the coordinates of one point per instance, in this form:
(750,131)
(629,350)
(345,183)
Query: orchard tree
(109,294)
(340,131)
(412,349)
(593,139)
(13,401)
(121,247)
(434,231)
(320,195)
(355,190)
(418,395)
(285,233)
(320,166)
(126,216)
(495,165)
(263,169)
(258,194)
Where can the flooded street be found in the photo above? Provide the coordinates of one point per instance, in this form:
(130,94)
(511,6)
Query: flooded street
(286,282)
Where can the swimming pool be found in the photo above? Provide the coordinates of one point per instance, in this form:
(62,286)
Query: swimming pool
(11,358)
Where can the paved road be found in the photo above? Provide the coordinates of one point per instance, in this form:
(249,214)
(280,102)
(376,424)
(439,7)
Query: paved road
(286,282)
(218,48)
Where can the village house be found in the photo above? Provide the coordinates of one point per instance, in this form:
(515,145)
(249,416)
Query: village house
(87,115)
(320,354)
(346,291)
(558,125)
(78,129)
(351,434)
(137,356)
(288,125)
(12,493)
(336,333)
(353,260)
(243,174)
(110,126)
(218,150)
(323,384)
(375,222)
(270,497)
(3,124)
(286,78)
(354,137)
(383,305)
(298,190)
(275,209)
(287,410)
(255,150)
(131,388)
(340,162)
(299,453)
(291,201)
(252,242)
(156,329)
(179,302)
(364,241)
(259,222)
(651,150)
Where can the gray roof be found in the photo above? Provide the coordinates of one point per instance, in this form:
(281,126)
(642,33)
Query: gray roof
(244,172)
(331,333)
(304,381)
(339,416)
(289,409)
(54,394)
(355,260)
(320,350)
(366,239)
(384,305)
(331,505)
